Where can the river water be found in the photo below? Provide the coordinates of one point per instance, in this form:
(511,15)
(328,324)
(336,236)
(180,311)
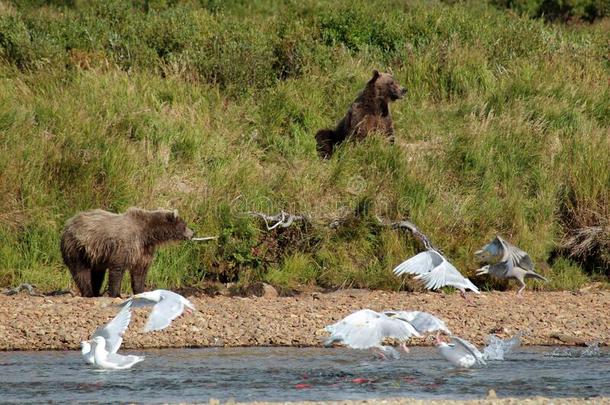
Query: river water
(287,374)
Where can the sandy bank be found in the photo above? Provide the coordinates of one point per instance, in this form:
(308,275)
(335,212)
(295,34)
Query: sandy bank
(409,401)
(552,318)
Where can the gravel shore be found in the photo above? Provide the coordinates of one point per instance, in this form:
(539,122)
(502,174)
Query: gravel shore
(549,318)
(409,401)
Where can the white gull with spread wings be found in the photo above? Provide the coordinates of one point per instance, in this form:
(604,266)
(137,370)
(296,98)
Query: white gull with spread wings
(435,272)
(366,329)
(112,333)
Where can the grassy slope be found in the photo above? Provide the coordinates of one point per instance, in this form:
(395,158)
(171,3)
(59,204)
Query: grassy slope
(212,110)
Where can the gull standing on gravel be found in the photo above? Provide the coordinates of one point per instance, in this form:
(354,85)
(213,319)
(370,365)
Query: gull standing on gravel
(506,261)
(435,271)
(366,329)
(167,306)
(112,333)
(112,361)
(460,352)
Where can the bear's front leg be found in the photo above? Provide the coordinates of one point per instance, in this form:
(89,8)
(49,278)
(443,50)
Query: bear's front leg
(389,129)
(138,280)
(138,275)
(82,278)
(114,281)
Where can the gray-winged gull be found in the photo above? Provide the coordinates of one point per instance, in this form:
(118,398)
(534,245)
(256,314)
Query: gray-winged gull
(506,261)
(435,272)
(167,306)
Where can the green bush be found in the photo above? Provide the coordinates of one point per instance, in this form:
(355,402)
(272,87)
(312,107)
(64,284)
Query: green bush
(562,10)
(15,42)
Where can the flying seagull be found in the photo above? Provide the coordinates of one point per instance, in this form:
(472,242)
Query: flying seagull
(167,306)
(112,333)
(460,352)
(366,329)
(506,261)
(435,272)
(104,359)
(423,322)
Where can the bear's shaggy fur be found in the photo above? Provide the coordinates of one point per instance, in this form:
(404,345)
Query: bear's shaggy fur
(370,112)
(97,240)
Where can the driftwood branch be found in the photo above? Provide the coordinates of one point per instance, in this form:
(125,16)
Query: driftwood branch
(282,220)
(410,226)
(30,289)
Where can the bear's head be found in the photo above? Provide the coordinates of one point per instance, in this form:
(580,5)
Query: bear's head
(162,225)
(386,87)
(178,227)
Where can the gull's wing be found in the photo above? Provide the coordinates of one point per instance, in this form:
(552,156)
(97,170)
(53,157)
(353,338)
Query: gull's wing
(167,306)
(163,313)
(175,296)
(358,317)
(421,263)
(123,362)
(395,328)
(113,331)
(145,299)
(517,256)
(424,322)
(466,347)
(356,330)
(521,259)
(446,274)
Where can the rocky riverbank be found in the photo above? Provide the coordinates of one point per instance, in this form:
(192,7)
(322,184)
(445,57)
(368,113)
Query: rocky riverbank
(410,401)
(548,318)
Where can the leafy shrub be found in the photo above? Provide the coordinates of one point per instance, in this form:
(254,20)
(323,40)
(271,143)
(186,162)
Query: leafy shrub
(357,29)
(15,42)
(562,10)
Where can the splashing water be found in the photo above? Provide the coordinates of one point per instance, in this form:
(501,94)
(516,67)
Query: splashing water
(592,350)
(390,352)
(496,348)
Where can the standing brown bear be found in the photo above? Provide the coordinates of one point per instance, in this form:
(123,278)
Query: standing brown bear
(368,113)
(97,240)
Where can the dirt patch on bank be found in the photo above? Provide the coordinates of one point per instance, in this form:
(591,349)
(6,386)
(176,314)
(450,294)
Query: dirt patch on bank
(550,318)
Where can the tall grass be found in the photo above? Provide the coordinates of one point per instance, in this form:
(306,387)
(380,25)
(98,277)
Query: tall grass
(211,108)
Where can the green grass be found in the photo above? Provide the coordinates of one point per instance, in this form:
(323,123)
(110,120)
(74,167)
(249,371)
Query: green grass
(211,107)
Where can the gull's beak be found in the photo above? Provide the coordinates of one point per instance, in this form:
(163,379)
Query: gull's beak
(482,270)
(479,254)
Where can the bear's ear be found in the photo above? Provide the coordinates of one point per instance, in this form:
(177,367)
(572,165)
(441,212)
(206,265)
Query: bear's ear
(375,75)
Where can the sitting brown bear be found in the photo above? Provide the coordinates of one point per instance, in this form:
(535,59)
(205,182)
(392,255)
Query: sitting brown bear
(368,113)
(97,240)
